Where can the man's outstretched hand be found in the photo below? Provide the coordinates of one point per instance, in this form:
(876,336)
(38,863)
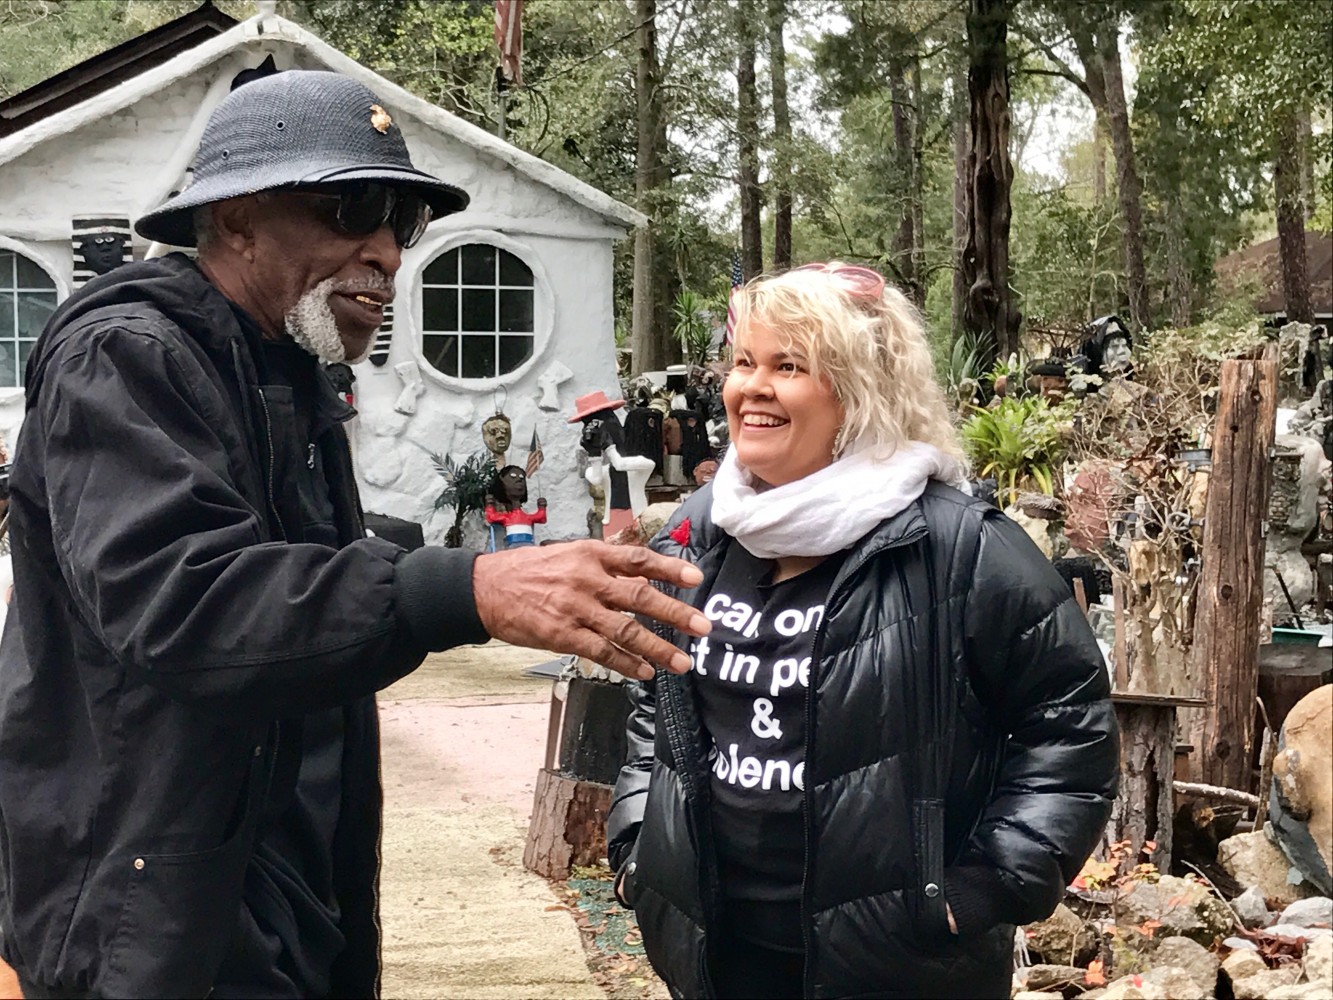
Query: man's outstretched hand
(571,598)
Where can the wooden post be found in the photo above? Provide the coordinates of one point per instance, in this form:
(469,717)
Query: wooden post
(1226,631)
(1145,803)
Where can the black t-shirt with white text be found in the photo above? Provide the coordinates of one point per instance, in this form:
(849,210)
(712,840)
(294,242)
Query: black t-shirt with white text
(752,674)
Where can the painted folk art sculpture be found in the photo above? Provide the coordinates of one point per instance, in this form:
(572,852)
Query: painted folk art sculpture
(623,477)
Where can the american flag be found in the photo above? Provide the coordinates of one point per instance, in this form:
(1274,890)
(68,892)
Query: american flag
(509,37)
(535,456)
(737,279)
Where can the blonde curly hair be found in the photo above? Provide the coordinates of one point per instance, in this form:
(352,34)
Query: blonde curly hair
(872,350)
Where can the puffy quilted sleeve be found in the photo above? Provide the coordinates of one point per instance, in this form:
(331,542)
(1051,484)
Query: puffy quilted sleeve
(1039,670)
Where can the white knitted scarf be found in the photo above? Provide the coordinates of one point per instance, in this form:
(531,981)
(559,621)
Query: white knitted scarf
(830,509)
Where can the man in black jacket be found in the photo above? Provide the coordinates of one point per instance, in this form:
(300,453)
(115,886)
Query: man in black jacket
(189,791)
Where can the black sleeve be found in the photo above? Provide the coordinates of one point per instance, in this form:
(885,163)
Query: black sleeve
(1039,669)
(631,792)
(165,560)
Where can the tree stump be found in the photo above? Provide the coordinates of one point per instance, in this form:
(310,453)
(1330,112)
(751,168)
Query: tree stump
(1145,803)
(568,825)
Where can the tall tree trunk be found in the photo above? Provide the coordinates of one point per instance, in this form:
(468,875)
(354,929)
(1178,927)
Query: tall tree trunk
(904,240)
(1096,38)
(1291,221)
(991,311)
(747,129)
(1307,164)
(1179,292)
(1129,187)
(647,333)
(918,187)
(1098,159)
(777,64)
(960,209)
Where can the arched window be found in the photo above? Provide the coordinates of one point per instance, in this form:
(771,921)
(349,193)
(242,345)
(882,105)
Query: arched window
(477,312)
(27,299)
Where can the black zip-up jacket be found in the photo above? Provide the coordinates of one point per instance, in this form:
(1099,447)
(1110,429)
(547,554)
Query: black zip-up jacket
(164,637)
(960,746)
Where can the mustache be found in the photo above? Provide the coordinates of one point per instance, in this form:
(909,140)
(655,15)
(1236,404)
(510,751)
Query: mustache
(380,284)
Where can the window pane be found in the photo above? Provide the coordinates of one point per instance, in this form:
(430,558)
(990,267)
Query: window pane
(513,271)
(443,270)
(478,264)
(515,311)
(479,310)
(7,268)
(478,357)
(25,348)
(513,352)
(30,275)
(8,374)
(7,315)
(441,353)
(439,308)
(35,308)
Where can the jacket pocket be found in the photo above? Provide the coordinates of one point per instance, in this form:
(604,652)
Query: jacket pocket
(930,914)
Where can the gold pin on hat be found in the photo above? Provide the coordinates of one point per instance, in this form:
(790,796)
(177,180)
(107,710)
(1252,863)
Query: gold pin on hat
(379,119)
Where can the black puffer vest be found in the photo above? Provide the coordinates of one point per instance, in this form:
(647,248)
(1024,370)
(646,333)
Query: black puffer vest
(961,747)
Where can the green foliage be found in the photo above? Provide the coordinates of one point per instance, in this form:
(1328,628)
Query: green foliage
(1018,442)
(465,485)
(694,328)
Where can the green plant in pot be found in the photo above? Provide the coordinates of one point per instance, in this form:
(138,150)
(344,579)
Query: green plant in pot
(465,485)
(1018,442)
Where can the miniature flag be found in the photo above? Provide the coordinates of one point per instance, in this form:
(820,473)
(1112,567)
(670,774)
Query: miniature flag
(535,456)
(509,38)
(737,279)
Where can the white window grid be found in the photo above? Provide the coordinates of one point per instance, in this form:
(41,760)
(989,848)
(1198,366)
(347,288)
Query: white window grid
(460,286)
(11,292)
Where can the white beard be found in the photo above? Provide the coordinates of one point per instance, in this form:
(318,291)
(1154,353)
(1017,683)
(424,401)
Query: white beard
(312,325)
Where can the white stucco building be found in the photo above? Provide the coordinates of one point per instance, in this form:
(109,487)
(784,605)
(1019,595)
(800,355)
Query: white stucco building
(505,306)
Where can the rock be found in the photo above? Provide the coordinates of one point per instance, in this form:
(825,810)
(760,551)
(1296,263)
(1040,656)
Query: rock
(1239,944)
(1038,529)
(1260,984)
(1125,989)
(1300,806)
(1301,991)
(1243,964)
(1252,859)
(1062,937)
(1318,961)
(1057,977)
(1194,959)
(1252,908)
(1182,909)
(1317,911)
(1037,995)
(1170,982)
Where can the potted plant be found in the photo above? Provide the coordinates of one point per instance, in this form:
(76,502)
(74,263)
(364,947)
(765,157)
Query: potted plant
(1018,442)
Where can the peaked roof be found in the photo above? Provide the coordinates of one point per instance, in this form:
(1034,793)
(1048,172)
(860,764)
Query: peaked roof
(114,66)
(1262,263)
(266,27)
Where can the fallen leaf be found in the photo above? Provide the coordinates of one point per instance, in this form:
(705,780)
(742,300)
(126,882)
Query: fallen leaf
(1148,927)
(1094,976)
(1149,846)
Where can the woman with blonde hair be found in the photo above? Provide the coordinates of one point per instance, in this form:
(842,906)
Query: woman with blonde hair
(896,744)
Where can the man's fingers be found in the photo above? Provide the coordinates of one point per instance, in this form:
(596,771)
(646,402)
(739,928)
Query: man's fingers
(638,560)
(626,634)
(642,598)
(600,651)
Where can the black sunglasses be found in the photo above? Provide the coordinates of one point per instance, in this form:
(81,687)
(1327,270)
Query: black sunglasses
(362,207)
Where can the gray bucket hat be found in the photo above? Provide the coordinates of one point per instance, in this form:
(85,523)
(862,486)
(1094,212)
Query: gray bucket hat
(295,128)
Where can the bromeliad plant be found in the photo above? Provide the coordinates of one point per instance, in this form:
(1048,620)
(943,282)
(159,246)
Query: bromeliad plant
(1019,443)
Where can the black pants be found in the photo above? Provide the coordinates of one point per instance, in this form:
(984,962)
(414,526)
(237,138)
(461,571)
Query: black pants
(741,969)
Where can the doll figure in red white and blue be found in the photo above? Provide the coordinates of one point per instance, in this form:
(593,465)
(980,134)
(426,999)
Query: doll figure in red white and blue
(504,506)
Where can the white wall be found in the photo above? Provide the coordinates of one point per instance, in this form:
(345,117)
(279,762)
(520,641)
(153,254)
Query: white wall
(124,163)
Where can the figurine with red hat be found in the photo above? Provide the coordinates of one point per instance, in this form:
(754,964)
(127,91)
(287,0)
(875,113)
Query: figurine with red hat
(623,478)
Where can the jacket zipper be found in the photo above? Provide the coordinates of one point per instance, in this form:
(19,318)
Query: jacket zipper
(268,479)
(807,820)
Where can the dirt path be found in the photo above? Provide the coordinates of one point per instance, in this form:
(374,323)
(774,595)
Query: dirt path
(463,741)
